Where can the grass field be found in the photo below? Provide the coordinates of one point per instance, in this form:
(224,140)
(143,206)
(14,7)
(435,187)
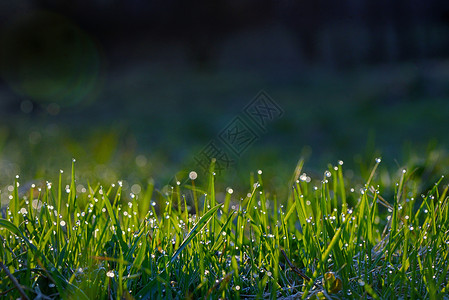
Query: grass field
(331,237)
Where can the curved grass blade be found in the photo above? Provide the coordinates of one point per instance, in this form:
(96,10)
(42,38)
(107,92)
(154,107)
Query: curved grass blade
(147,290)
(223,228)
(195,230)
(13,229)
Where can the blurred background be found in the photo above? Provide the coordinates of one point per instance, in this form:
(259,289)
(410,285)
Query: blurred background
(139,89)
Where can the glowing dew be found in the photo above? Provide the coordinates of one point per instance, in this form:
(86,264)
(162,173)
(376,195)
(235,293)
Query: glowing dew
(110,274)
(193,175)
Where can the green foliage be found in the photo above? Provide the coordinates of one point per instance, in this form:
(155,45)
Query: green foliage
(338,238)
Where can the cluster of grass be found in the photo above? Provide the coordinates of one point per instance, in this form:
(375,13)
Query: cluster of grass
(327,240)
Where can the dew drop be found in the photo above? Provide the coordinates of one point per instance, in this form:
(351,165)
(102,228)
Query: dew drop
(193,175)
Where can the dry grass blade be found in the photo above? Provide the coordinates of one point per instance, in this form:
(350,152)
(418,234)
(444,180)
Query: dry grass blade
(224,280)
(14,281)
(294,268)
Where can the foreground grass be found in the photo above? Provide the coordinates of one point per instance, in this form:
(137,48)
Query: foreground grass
(326,240)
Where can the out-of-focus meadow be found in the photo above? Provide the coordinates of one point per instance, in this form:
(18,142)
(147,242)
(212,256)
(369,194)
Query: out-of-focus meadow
(136,91)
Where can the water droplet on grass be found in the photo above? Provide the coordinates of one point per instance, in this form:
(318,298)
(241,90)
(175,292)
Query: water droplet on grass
(193,175)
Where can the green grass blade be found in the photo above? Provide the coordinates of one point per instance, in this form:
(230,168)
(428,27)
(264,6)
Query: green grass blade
(195,230)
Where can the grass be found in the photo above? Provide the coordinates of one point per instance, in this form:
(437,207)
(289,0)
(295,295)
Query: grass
(329,239)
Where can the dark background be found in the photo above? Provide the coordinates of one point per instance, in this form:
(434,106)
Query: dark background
(136,89)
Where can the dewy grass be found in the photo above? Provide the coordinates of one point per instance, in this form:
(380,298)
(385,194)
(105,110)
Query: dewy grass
(326,240)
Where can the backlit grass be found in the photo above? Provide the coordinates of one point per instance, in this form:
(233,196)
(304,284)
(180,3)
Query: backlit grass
(327,239)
